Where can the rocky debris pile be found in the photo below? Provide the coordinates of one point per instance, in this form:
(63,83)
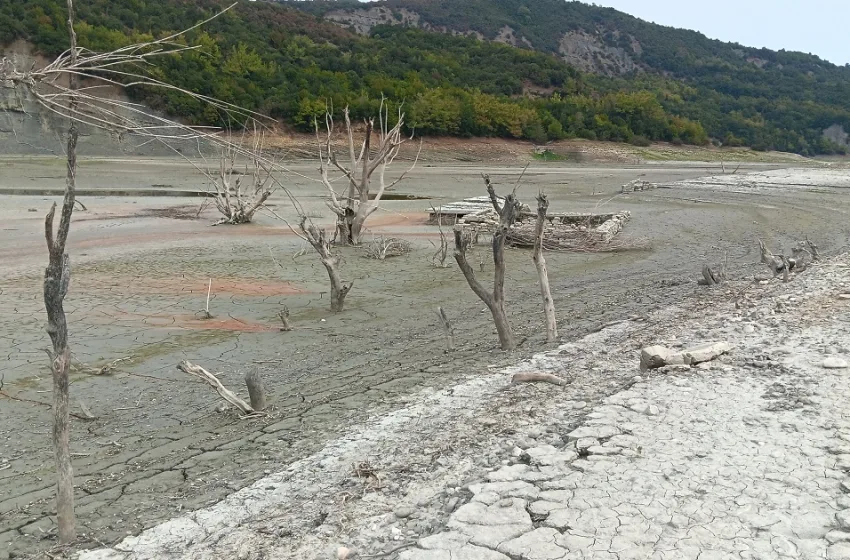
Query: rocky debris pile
(569,235)
(637,185)
(659,356)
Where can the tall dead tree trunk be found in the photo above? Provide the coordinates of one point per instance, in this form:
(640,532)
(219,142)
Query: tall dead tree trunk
(57,279)
(542,272)
(359,202)
(494,301)
(318,238)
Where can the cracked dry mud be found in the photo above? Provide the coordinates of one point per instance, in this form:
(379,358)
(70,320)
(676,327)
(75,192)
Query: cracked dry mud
(159,448)
(687,463)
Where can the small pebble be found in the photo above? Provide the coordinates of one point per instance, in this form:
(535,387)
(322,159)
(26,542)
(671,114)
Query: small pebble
(403,512)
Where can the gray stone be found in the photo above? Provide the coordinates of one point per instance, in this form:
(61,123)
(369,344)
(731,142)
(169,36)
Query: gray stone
(584,443)
(492,525)
(512,489)
(838,551)
(403,512)
(653,357)
(450,540)
(508,473)
(748,329)
(843,518)
(416,554)
(601,450)
(834,362)
(599,431)
(536,545)
(837,536)
(705,352)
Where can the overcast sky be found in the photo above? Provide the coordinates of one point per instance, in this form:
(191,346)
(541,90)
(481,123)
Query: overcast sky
(812,26)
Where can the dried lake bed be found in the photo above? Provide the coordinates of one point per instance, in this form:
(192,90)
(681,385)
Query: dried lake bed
(143,263)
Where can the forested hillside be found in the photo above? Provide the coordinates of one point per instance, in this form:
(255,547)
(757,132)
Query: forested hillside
(291,64)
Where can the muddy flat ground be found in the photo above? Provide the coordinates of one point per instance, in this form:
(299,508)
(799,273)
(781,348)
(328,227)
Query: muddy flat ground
(142,264)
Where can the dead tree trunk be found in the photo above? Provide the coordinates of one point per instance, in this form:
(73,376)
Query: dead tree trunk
(57,278)
(322,244)
(542,272)
(256,390)
(494,301)
(779,264)
(448,329)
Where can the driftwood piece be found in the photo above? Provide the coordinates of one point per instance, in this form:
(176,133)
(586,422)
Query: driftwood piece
(228,395)
(448,329)
(542,272)
(538,377)
(256,390)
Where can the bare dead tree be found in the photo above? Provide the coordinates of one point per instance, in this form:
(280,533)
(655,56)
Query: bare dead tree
(495,300)
(235,201)
(353,206)
(438,259)
(319,240)
(57,279)
(542,272)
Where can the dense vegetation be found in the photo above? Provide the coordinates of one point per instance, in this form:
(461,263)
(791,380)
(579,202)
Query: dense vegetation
(291,64)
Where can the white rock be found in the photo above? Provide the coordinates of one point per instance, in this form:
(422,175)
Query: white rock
(705,352)
(654,357)
(843,518)
(834,362)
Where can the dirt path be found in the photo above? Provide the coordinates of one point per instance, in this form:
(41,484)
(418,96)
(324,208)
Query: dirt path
(158,446)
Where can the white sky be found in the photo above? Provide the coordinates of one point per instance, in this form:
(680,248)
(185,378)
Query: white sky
(811,26)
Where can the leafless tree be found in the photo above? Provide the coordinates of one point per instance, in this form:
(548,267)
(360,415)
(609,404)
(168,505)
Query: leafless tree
(236,201)
(542,272)
(319,240)
(495,300)
(438,259)
(358,201)
(57,279)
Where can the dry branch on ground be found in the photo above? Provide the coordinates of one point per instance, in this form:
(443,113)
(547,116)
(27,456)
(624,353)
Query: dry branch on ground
(228,395)
(382,248)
